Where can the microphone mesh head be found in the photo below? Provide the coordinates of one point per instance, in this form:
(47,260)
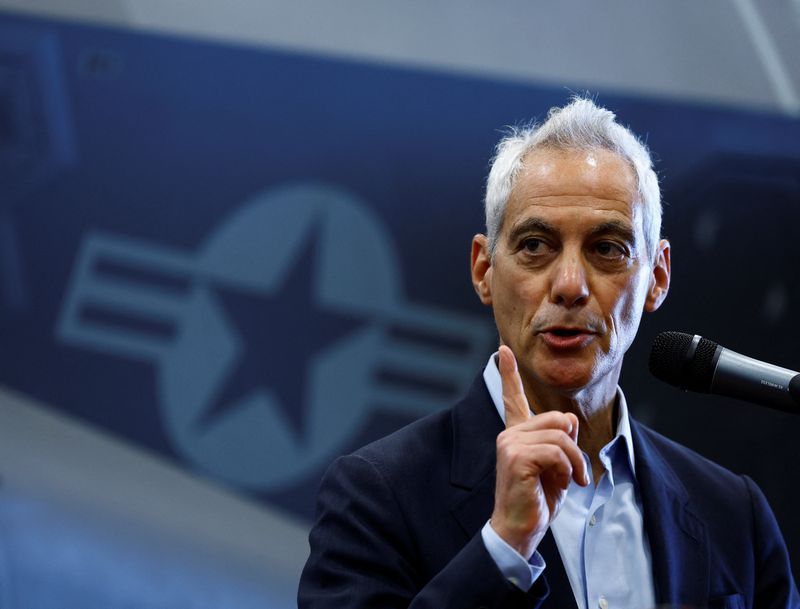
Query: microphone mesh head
(667,356)
(673,361)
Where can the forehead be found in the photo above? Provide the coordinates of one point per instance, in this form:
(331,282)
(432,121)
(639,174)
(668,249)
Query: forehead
(580,183)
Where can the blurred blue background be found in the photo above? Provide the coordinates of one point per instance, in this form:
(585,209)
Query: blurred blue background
(234,244)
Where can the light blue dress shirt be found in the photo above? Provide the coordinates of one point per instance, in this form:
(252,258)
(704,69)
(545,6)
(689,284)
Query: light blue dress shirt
(599,531)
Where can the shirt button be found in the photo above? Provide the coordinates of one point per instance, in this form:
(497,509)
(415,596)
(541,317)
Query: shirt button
(592,522)
(602,603)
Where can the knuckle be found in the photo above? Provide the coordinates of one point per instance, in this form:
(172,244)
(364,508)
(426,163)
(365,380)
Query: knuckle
(559,437)
(550,451)
(506,447)
(504,440)
(511,459)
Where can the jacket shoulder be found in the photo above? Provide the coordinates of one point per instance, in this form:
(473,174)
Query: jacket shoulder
(700,476)
(419,444)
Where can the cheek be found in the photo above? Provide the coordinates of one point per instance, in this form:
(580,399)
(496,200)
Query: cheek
(513,290)
(515,298)
(629,307)
(510,303)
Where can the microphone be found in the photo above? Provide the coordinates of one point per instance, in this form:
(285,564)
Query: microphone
(695,363)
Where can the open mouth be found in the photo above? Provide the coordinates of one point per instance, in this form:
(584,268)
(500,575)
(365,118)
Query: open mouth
(567,332)
(567,338)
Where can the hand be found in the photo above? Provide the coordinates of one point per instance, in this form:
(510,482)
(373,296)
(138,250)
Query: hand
(536,458)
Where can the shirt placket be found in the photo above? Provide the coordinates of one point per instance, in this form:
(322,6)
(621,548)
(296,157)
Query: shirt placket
(593,527)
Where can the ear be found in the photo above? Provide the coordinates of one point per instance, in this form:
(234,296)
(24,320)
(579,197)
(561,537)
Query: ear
(481,263)
(659,280)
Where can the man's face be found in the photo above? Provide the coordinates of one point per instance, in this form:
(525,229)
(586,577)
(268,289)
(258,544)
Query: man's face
(571,274)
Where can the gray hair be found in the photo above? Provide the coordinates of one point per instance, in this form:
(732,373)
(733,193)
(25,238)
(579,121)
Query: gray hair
(580,125)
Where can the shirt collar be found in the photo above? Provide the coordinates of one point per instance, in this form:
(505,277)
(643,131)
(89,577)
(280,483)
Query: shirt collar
(491,376)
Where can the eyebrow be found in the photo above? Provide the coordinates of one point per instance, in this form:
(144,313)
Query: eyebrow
(530,225)
(612,227)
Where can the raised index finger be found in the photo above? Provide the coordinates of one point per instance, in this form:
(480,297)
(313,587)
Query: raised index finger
(514,401)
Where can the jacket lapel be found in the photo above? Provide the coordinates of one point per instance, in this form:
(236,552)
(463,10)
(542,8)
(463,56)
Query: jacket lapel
(677,537)
(475,428)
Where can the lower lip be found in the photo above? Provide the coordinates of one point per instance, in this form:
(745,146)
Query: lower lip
(572,341)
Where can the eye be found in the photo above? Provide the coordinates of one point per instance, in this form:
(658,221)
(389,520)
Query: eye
(532,245)
(610,250)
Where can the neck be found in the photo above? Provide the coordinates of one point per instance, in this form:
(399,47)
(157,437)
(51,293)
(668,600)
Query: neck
(595,408)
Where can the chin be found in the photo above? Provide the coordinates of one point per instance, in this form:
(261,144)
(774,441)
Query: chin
(566,378)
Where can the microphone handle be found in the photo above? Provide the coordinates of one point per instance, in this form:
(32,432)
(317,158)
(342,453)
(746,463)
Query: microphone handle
(745,378)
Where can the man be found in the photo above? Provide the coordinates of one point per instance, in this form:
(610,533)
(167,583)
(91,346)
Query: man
(538,489)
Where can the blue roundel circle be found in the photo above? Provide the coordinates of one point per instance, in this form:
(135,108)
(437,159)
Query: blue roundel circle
(272,368)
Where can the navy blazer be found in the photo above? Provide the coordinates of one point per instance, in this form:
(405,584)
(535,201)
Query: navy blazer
(398,525)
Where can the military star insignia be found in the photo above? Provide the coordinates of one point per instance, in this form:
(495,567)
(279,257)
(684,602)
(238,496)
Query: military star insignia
(280,334)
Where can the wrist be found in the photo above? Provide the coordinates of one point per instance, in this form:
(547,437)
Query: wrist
(522,542)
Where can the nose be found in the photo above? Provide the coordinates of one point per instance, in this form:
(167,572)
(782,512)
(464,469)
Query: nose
(569,286)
